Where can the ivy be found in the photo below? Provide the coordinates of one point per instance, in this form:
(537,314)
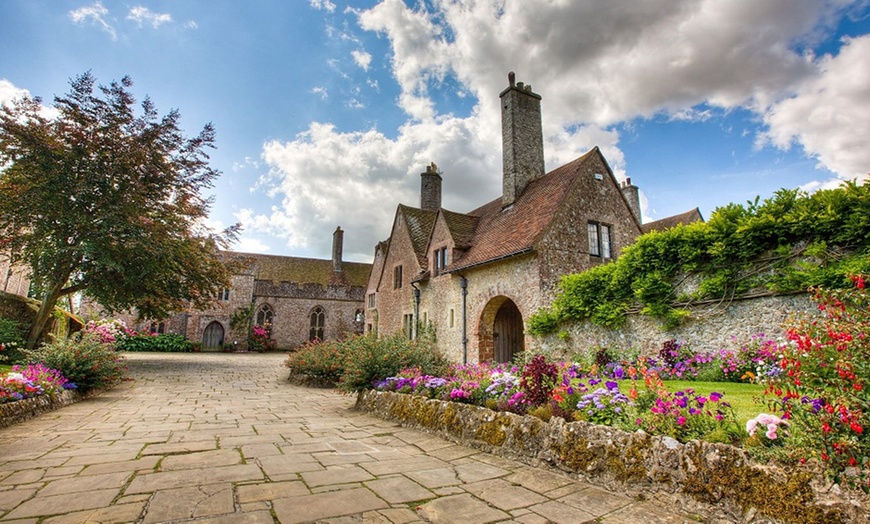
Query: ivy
(783,244)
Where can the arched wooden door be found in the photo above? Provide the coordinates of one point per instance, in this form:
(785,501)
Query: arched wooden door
(213,336)
(507,332)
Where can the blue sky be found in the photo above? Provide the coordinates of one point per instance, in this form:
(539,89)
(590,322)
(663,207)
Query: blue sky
(326,111)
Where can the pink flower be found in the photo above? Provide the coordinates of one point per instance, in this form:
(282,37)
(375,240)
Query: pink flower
(681,420)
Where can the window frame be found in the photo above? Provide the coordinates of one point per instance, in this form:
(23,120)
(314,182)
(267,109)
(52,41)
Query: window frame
(600,240)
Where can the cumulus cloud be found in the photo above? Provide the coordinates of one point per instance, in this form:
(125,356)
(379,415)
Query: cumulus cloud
(143,15)
(323,5)
(95,14)
(362,59)
(596,65)
(9,92)
(829,115)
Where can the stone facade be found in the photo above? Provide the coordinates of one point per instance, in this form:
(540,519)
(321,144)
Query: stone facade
(14,279)
(474,278)
(298,298)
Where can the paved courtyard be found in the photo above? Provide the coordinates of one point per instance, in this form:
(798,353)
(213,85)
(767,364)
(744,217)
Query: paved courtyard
(225,439)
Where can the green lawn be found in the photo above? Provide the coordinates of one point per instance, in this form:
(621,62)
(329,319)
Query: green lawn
(747,399)
(4,368)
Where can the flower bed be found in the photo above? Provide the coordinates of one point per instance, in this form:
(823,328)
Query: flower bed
(716,480)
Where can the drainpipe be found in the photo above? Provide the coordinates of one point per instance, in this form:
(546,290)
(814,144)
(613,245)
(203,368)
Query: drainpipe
(416,326)
(463,285)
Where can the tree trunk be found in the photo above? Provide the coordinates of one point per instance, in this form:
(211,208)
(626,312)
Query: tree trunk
(49,300)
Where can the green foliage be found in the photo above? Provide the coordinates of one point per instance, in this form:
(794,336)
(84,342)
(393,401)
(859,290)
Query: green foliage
(110,201)
(786,243)
(357,362)
(369,359)
(11,340)
(83,360)
(165,342)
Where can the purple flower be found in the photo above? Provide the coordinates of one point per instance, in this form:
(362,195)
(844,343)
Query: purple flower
(611,385)
(715,396)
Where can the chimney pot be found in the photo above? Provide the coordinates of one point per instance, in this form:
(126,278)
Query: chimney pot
(337,246)
(430,188)
(522,139)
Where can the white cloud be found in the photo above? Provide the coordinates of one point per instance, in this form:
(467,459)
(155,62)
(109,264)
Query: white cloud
(250,245)
(323,5)
(191,24)
(143,15)
(96,14)
(10,93)
(320,91)
(362,59)
(829,115)
(596,65)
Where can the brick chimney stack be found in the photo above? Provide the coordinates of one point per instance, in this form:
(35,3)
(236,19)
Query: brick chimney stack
(337,246)
(430,189)
(522,139)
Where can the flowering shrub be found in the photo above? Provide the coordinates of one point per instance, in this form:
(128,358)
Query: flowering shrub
(823,387)
(773,425)
(163,342)
(318,359)
(32,381)
(686,415)
(755,361)
(109,331)
(82,359)
(260,338)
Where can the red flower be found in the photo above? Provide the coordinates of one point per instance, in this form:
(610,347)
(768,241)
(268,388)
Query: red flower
(856,427)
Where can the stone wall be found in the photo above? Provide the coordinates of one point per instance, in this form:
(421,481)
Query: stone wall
(718,481)
(710,327)
(21,410)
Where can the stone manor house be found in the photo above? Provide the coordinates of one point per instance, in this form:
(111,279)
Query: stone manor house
(298,299)
(475,278)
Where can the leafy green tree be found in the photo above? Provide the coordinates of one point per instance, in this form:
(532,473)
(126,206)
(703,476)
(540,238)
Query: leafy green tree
(109,202)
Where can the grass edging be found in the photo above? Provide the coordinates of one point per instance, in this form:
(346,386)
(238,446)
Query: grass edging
(14,412)
(695,477)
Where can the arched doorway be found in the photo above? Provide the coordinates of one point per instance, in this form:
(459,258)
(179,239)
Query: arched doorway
(500,333)
(213,336)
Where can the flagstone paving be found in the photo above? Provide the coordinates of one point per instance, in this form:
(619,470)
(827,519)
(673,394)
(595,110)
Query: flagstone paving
(225,439)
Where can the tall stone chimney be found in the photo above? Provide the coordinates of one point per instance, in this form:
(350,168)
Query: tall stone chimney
(337,245)
(430,189)
(632,197)
(522,139)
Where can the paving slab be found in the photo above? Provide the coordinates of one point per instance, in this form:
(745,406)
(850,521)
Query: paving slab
(226,439)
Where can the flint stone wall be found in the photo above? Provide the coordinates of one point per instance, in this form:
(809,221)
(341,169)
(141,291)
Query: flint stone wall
(21,410)
(717,481)
(709,328)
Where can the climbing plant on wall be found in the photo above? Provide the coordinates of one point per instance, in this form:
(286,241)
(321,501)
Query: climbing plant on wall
(786,243)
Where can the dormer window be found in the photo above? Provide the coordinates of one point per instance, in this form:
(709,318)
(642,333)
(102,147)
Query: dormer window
(439,257)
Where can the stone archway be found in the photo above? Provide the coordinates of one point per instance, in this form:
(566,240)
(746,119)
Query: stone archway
(501,331)
(213,336)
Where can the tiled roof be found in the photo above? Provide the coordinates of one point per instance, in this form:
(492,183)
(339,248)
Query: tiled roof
(420,225)
(461,227)
(302,270)
(501,233)
(688,217)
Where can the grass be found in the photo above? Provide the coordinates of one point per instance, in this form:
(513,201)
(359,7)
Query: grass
(5,368)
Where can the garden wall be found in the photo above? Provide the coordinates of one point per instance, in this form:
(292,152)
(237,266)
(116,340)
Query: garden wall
(717,481)
(21,410)
(709,328)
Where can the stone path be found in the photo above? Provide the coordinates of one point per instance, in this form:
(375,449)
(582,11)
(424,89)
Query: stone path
(224,439)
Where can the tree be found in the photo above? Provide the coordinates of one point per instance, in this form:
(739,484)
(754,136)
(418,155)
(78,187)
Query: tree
(109,202)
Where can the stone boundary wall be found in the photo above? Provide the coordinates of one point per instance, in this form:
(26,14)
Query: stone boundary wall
(710,327)
(719,482)
(21,410)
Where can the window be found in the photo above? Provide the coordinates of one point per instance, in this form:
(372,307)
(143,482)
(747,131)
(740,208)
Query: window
(265,315)
(408,325)
(599,240)
(440,260)
(223,294)
(450,323)
(371,302)
(359,316)
(397,277)
(157,328)
(317,318)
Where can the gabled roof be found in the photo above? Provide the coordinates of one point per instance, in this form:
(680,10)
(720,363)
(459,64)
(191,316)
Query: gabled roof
(420,224)
(461,227)
(514,230)
(301,270)
(693,215)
